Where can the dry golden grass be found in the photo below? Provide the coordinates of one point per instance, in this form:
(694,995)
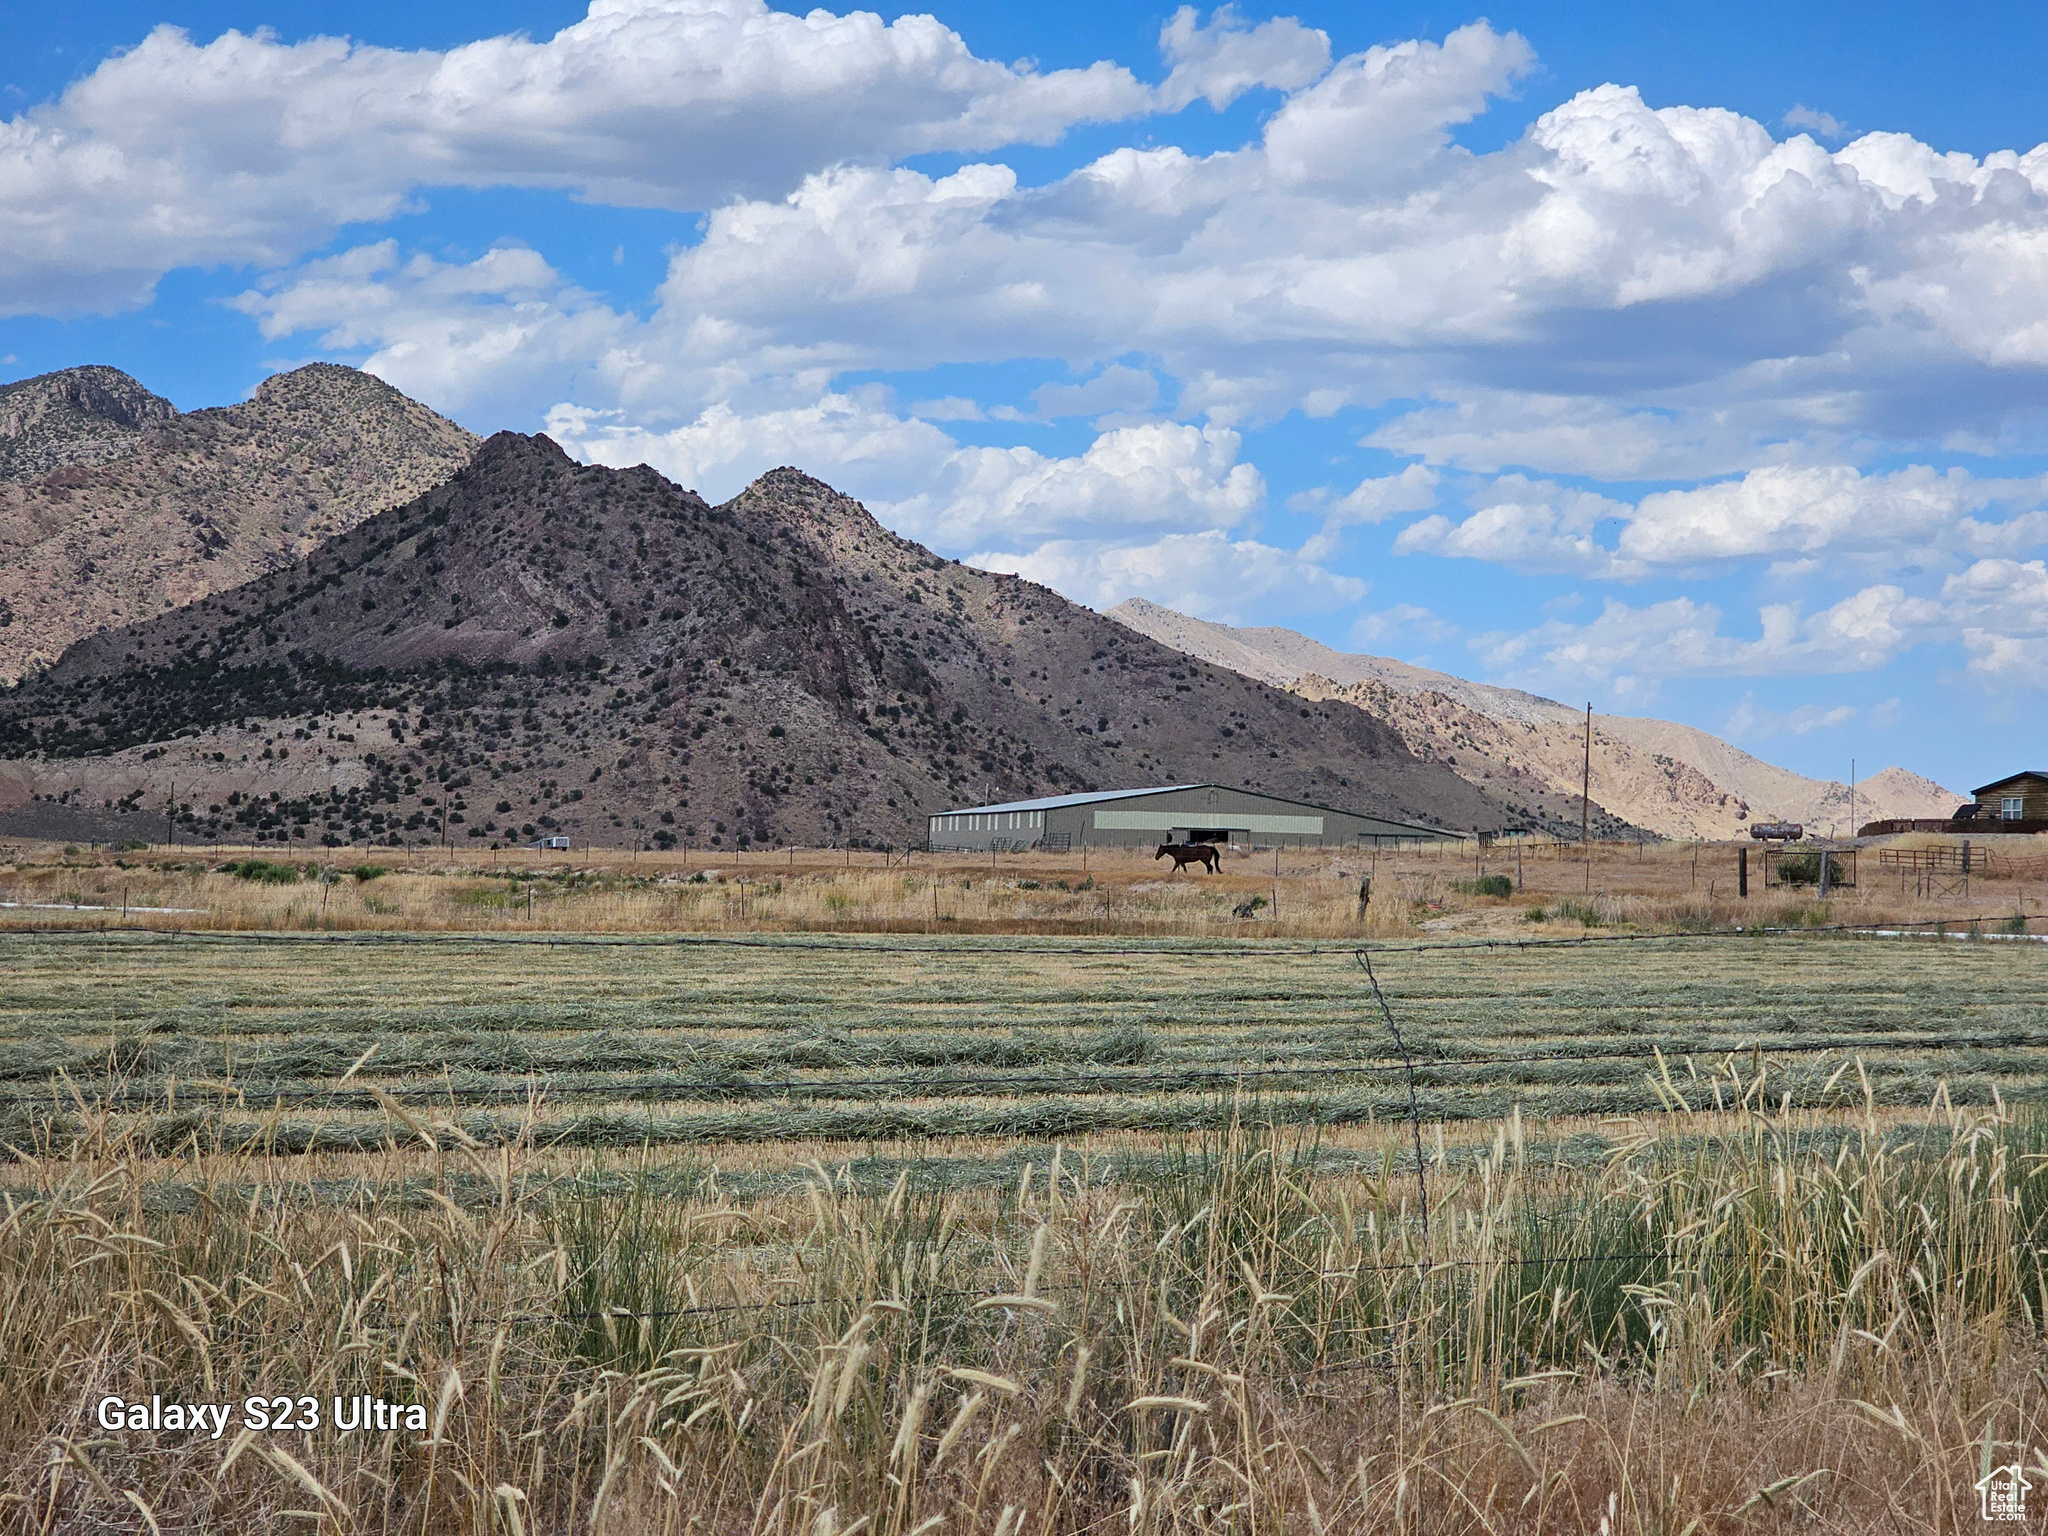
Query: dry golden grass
(1304,893)
(1722,1310)
(1769,1340)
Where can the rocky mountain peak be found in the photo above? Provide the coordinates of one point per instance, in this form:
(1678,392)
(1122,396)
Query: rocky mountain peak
(104,522)
(793,491)
(75,416)
(502,450)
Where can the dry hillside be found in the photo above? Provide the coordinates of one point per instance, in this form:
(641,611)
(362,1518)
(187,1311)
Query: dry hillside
(1282,656)
(1521,762)
(78,416)
(1673,779)
(538,645)
(115,508)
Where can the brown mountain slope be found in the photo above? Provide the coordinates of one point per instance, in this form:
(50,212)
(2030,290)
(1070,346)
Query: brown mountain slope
(1280,656)
(539,645)
(1515,761)
(153,510)
(1545,761)
(1779,794)
(1676,780)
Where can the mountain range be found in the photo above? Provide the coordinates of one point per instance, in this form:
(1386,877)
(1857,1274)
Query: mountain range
(1672,779)
(536,645)
(329,614)
(116,507)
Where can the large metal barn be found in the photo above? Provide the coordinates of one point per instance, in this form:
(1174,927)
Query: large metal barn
(1173,813)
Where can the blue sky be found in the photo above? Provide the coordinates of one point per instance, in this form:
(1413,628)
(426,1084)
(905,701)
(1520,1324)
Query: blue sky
(1690,360)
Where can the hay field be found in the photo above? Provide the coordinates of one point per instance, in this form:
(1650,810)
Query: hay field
(848,1235)
(241,1041)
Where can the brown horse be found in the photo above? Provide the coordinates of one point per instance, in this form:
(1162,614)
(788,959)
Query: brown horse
(1184,854)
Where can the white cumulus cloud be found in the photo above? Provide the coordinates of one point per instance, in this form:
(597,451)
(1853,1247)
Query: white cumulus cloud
(1208,574)
(1533,525)
(1116,388)
(249,149)
(1750,721)
(921,482)
(2001,607)
(1632,650)
(485,336)
(1802,510)
(1219,62)
(1789,514)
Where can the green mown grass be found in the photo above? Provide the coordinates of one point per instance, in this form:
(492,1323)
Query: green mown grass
(774,1040)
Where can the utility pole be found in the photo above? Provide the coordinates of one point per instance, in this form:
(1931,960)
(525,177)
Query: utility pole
(1586,800)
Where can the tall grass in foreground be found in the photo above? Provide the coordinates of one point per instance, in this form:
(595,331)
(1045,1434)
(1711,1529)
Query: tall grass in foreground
(1715,1332)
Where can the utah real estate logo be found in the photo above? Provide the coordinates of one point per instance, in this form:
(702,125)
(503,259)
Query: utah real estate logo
(2002,1493)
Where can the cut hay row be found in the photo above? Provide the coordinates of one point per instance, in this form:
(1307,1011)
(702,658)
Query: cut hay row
(244,1046)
